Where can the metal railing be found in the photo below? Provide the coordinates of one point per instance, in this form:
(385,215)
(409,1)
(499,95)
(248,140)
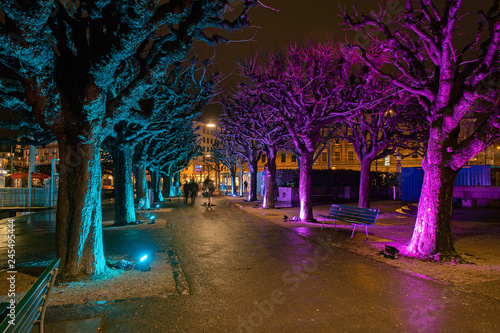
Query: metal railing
(19,197)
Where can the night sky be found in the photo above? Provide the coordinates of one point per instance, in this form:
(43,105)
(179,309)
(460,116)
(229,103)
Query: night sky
(304,20)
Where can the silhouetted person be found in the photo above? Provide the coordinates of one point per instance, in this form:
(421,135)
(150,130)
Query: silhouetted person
(185,190)
(193,190)
(209,189)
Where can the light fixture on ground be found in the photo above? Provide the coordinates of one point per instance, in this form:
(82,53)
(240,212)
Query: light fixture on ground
(143,264)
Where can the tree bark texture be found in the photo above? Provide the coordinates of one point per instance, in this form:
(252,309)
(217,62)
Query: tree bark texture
(433,229)
(252,194)
(241,181)
(124,190)
(234,190)
(306,210)
(79,216)
(364,184)
(270,181)
(156,183)
(143,189)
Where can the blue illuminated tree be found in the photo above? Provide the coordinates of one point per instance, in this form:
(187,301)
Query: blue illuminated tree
(77,68)
(179,98)
(167,152)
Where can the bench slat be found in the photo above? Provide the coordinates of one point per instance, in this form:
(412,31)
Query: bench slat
(353,215)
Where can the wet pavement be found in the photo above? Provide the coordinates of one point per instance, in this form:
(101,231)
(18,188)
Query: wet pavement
(248,275)
(35,237)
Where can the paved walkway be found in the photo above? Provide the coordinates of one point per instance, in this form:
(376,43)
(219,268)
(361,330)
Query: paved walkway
(248,275)
(235,265)
(476,233)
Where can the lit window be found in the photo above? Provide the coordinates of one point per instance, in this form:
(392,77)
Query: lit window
(350,155)
(336,156)
(283,158)
(323,157)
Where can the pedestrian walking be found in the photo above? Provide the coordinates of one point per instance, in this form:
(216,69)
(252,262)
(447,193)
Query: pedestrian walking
(185,190)
(193,190)
(246,185)
(208,190)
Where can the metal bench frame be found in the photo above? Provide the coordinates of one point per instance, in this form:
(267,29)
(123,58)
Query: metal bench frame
(353,215)
(33,305)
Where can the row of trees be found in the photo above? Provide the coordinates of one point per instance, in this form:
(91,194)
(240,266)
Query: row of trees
(83,72)
(301,97)
(410,84)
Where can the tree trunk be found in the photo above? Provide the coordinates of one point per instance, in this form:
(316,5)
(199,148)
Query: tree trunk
(177,184)
(241,180)
(168,185)
(364,183)
(79,215)
(143,189)
(306,211)
(234,191)
(270,181)
(124,190)
(156,184)
(432,234)
(252,194)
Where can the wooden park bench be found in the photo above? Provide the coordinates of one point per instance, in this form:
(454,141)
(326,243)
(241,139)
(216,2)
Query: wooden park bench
(353,215)
(32,306)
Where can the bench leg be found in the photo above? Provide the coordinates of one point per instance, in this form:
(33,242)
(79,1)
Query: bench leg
(366,231)
(334,223)
(353,229)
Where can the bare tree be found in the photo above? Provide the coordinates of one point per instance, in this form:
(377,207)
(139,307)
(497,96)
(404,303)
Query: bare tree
(79,67)
(390,119)
(167,151)
(453,78)
(244,111)
(179,97)
(223,151)
(301,86)
(231,132)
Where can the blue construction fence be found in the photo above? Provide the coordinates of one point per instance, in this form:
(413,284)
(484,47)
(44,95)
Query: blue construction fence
(412,179)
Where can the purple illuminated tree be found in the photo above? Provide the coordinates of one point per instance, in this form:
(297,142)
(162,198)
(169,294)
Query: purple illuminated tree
(388,119)
(301,86)
(453,77)
(232,134)
(244,111)
(77,68)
